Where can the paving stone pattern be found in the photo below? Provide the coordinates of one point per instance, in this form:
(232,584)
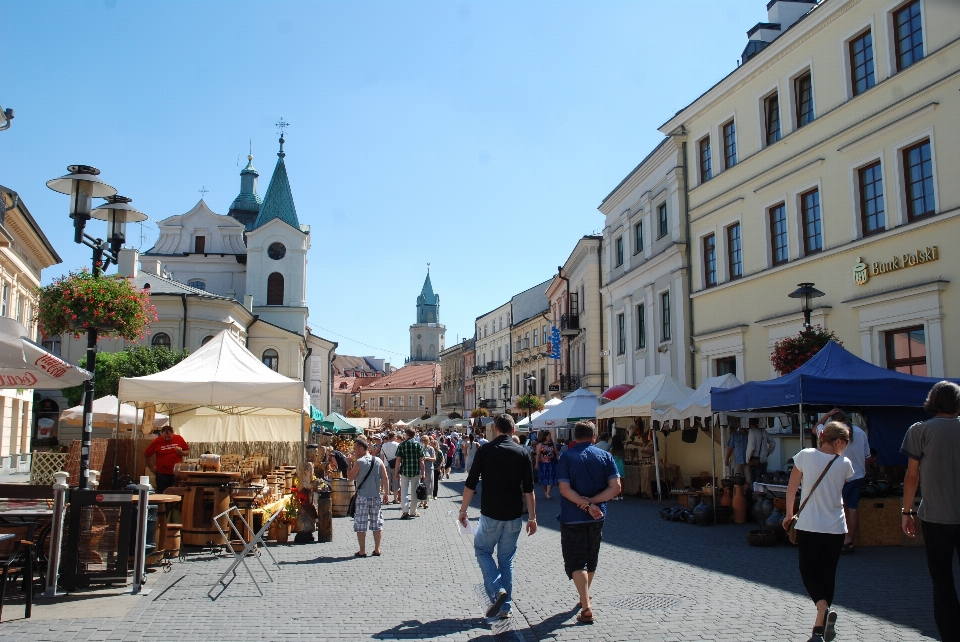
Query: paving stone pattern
(657,580)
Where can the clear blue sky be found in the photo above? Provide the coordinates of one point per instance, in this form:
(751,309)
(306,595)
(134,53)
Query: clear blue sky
(477,136)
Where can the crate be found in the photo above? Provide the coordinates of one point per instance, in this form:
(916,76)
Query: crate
(918,523)
(879,522)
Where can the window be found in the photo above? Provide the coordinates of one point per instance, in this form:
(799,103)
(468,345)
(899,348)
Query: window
(390,402)
(420,401)
(501,323)
(410,400)
(6,296)
(543,379)
(400,401)
(812,232)
(641,327)
(706,164)
(729,145)
(206,340)
(161,339)
(380,402)
(861,63)
(199,244)
(734,252)
(664,222)
(53,345)
(275,289)
(638,238)
(337,403)
(526,343)
(803,86)
(710,260)
(574,303)
(872,217)
(19,308)
(778,234)
(618,245)
(665,312)
(536,337)
(918,177)
(771,112)
(907,351)
(621,335)
(727,365)
(271,359)
(908,35)
(200,284)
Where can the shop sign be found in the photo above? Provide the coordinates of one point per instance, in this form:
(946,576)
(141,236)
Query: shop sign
(863,271)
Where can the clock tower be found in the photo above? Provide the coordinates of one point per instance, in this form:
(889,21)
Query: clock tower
(427,334)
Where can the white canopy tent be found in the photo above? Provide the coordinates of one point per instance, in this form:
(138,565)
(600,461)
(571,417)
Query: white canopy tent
(222,392)
(579,404)
(654,393)
(105,414)
(24,364)
(697,403)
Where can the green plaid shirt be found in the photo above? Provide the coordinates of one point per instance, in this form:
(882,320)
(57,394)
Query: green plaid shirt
(410,453)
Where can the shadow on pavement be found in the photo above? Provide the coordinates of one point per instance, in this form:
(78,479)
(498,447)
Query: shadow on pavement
(320,560)
(417,630)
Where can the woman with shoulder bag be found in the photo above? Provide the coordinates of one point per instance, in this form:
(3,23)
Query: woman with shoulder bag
(820,522)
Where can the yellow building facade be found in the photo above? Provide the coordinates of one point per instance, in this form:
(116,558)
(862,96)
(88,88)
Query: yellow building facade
(829,157)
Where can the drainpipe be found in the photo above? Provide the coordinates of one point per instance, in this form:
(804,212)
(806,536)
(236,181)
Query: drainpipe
(599,288)
(686,218)
(560,274)
(183,335)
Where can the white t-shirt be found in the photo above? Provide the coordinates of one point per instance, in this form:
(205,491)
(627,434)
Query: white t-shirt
(389,450)
(856,451)
(824,512)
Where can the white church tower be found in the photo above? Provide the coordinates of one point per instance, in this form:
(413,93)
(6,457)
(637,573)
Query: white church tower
(427,335)
(277,248)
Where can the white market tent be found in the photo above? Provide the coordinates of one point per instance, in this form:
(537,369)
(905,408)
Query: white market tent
(24,364)
(105,414)
(654,393)
(579,404)
(222,392)
(546,406)
(697,404)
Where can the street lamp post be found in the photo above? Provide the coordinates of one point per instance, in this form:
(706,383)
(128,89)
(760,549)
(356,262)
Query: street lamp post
(83,185)
(356,399)
(806,292)
(529,379)
(505,393)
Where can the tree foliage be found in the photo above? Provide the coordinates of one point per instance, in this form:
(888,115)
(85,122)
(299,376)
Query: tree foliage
(134,361)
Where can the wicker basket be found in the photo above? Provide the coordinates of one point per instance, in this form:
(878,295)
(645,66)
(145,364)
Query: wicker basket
(761,537)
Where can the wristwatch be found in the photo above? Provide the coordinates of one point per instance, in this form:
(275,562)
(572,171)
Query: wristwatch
(911,513)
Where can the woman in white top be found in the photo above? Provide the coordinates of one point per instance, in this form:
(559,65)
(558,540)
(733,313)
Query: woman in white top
(821,526)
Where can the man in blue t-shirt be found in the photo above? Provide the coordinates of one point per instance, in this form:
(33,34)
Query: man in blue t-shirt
(588,478)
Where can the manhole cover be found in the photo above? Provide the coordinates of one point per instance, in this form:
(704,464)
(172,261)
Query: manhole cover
(648,602)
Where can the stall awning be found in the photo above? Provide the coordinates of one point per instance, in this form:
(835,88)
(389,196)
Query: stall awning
(340,425)
(315,414)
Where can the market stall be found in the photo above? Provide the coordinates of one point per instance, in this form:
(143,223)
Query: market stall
(579,404)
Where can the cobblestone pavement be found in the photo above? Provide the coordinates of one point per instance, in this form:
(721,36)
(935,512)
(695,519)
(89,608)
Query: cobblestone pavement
(657,581)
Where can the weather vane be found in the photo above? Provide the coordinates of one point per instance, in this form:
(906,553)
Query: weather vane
(203,192)
(281,125)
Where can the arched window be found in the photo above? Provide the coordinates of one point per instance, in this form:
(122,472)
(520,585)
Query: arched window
(275,289)
(161,339)
(271,359)
(432,352)
(206,339)
(419,351)
(200,284)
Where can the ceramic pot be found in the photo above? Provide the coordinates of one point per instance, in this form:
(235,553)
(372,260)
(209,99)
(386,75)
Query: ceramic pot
(739,504)
(691,519)
(703,514)
(739,480)
(727,499)
(763,510)
(775,523)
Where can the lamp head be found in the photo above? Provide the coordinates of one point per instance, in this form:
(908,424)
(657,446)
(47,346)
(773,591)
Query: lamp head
(806,291)
(82,185)
(117,212)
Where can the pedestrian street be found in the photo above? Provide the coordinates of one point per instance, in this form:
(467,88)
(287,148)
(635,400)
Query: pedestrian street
(656,580)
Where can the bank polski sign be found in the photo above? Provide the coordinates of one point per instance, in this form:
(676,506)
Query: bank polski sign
(862,271)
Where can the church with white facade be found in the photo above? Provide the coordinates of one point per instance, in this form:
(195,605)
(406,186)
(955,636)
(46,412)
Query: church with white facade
(244,271)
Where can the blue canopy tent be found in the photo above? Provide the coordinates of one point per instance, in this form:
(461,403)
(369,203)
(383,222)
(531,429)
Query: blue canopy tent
(891,400)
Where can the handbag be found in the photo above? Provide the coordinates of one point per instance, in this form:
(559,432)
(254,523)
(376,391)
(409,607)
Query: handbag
(792,526)
(421,491)
(352,506)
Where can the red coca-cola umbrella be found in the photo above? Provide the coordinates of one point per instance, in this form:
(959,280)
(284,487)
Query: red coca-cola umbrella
(615,392)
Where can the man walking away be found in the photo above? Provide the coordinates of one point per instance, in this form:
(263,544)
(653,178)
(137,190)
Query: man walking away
(507,478)
(388,453)
(370,475)
(410,471)
(933,449)
(588,478)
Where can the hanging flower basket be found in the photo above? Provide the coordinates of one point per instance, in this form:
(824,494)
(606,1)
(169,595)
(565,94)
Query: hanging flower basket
(530,401)
(792,352)
(79,301)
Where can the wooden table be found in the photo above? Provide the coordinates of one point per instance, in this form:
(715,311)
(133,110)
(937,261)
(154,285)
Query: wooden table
(161,501)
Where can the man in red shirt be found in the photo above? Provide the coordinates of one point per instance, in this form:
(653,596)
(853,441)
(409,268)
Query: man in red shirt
(165,452)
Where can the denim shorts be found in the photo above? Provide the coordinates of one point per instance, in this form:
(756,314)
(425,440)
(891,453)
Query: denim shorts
(851,494)
(580,546)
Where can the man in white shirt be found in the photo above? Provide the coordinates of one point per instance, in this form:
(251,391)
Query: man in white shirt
(858,452)
(389,454)
(759,446)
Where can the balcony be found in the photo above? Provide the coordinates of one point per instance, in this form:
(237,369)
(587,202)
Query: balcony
(479,370)
(570,325)
(569,383)
(494,366)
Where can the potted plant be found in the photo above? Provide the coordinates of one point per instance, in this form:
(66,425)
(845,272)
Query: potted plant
(479,412)
(530,402)
(356,413)
(790,353)
(112,305)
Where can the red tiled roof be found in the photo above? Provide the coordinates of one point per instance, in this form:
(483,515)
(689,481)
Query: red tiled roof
(423,375)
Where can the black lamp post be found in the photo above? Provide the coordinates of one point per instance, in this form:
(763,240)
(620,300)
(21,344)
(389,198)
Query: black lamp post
(505,393)
(529,378)
(806,292)
(356,398)
(83,185)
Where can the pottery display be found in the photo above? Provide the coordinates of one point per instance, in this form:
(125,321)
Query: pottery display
(739,480)
(739,504)
(727,498)
(775,523)
(703,514)
(691,519)
(763,509)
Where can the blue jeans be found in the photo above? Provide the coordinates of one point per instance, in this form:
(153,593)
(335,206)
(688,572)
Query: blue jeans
(497,574)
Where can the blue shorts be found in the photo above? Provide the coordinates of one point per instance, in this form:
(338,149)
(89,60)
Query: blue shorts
(851,493)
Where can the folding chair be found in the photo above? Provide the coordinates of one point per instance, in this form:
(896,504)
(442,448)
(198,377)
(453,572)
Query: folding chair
(16,558)
(248,547)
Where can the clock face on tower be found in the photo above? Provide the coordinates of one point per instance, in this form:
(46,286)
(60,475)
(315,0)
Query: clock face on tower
(276,251)
(418,336)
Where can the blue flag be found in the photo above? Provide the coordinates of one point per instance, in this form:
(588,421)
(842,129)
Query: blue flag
(555,342)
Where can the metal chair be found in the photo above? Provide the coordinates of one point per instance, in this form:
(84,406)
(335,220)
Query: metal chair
(16,558)
(249,548)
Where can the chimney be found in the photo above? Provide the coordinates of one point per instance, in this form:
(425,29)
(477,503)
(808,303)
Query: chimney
(127,260)
(248,302)
(150,266)
(781,15)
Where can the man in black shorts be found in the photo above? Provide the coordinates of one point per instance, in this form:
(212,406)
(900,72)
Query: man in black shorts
(588,478)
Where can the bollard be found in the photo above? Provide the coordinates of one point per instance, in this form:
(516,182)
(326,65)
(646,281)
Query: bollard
(56,533)
(140,554)
(324,518)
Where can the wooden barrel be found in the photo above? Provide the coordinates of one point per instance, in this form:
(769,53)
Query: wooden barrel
(200,505)
(342,491)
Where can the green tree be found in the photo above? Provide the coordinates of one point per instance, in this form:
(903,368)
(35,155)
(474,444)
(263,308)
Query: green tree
(135,361)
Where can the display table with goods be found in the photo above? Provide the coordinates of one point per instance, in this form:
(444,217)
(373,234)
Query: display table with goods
(641,479)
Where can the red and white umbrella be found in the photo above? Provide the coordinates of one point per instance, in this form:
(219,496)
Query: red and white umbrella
(24,364)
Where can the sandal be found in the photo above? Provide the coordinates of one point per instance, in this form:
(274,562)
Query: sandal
(359,554)
(585,616)
(376,554)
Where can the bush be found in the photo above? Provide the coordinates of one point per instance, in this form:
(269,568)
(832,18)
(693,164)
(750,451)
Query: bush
(135,361)
(792,352)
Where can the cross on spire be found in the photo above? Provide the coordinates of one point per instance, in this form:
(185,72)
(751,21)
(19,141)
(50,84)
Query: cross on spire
(281,125)
(428,268)
(203,192)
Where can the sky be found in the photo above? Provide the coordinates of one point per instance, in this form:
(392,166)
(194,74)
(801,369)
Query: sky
(478,137)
